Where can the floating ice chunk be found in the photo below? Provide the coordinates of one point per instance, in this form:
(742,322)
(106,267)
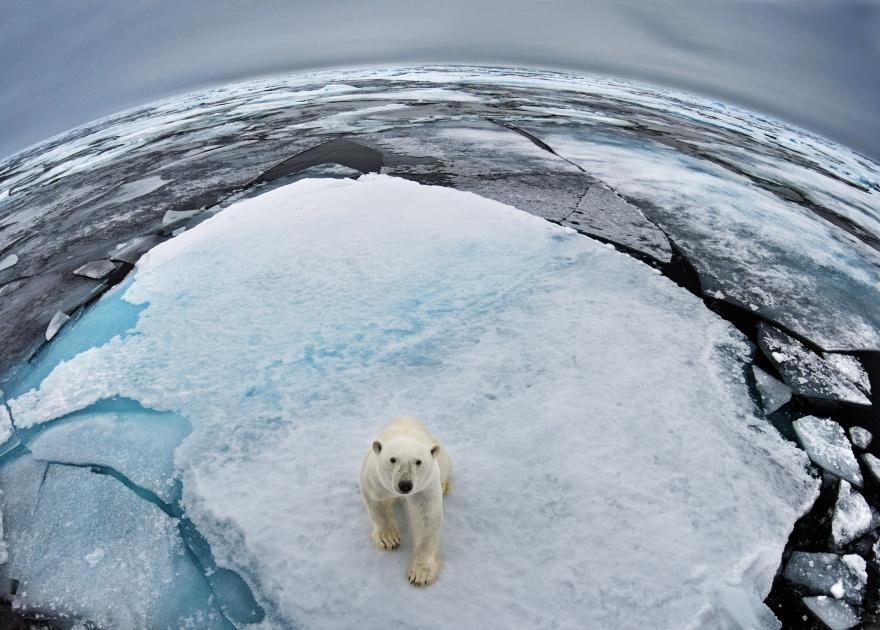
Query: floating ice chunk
(83,545)
(8,261)
(851,368)
(819,572)
(130,251)
(827,445)
(5,422)
(774,393)
(137,188)
(138,443)
(95,269)
(807,373)
(860,437)
(873,465)
(603,213)
(834,613)
(58,320)
(853,517)
(176,216)
(837,589)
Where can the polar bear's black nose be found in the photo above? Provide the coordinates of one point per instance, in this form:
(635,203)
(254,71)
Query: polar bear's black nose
(404,486)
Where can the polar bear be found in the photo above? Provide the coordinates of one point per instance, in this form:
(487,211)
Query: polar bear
(405,463)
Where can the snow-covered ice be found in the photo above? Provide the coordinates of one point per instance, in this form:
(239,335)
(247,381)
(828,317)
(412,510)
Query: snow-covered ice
(851,368)
(834,613)
(81,544)
(138,443)
(860,437)
(805,371)
(853,517)
(774,393)
(828,447)
(5,423)
(819,572)
(287,328)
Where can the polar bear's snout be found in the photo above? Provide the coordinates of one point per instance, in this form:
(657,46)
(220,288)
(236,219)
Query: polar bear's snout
(404,485)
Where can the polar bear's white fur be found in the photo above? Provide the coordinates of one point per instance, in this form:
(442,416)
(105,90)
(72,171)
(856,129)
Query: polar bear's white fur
(405,463)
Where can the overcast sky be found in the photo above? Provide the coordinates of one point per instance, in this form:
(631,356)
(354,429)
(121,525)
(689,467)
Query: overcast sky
(816,64)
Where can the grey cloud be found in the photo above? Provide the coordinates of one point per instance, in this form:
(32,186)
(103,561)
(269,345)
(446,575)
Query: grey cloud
(812,63)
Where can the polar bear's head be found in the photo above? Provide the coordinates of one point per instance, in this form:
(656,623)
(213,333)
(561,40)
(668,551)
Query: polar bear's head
(404,465)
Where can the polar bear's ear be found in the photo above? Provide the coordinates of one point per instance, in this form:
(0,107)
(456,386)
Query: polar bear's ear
(434,450)
(377,447)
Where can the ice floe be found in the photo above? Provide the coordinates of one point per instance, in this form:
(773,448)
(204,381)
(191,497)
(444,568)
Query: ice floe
(289,326)
(774,393)
(805,371)
(828,447)
(852,517)
(602,212)
(860,437)
(8,261)
(851,368)
(58,320)
(82,545)
(95,269)
(834,613)
(822,572)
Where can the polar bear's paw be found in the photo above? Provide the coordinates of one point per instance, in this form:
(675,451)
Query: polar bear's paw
(387,539)
(423,572)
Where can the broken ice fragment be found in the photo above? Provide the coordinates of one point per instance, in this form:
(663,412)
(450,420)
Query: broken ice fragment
(5,424)
(8,261)
(827,446)
(176,216)
(86,546)
(834,613)
(873,465)
(807,373)
(130,251)
(774,393)
(58,320)
(853,517)
(602,212)
(138,443)
(96,269)
(850,367)
(860,437)
(819,572)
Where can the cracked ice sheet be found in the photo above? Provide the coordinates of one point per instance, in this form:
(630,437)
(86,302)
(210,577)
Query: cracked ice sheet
(763,253)
(535,354)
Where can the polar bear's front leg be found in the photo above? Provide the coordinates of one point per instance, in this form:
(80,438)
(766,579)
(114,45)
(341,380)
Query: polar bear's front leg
(426,519)
(385,534)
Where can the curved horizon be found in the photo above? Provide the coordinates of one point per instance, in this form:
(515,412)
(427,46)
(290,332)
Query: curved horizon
(808,64)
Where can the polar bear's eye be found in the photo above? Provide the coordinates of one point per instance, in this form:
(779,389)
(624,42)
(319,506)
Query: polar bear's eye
(393,460)
(418,462)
